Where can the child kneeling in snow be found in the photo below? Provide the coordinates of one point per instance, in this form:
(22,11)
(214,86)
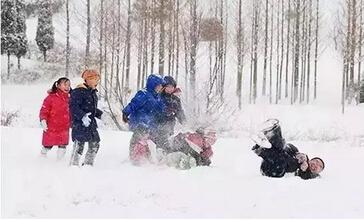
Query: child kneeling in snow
(55,118)
(279,157)
(143,111)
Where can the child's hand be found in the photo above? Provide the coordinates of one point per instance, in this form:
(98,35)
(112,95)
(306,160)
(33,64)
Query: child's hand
(304,166)
(86,120)
(43,124)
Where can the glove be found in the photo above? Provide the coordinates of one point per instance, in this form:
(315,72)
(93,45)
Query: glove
(86,120)
(301,157)
(125,118)
(43,124)
(304,166)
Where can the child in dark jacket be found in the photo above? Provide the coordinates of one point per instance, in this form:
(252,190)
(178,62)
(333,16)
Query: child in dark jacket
(174,112)
(280,157)
(83,105)
(55,118)
(143,111)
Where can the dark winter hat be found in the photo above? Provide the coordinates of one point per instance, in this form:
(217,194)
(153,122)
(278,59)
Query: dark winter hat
(169,80)
(318,158)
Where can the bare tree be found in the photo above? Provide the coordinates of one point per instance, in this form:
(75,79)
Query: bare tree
(265,48)
(316,48)
(128,45)
(67,39)
(88,35)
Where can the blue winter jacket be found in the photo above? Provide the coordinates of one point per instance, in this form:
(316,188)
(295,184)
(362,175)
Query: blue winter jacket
(146,107)
(83,100)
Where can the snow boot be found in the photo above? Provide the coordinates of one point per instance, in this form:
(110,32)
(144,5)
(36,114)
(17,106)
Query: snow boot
(61,152)
(44,151)
(91,153)
(76,153)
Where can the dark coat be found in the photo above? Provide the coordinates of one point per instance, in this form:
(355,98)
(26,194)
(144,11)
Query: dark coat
(55,110)
(146,107)
(278,161)
(173,112)
(84,100)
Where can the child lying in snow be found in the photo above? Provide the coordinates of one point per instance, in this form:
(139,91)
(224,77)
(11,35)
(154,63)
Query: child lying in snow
(279,157)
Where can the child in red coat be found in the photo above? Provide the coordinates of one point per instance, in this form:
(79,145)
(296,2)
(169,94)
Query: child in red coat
(55,118)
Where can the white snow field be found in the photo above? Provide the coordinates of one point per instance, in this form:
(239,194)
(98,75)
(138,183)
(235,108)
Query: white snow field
(232,187)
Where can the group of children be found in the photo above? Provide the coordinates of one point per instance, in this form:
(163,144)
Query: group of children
(152,114)
(62,109)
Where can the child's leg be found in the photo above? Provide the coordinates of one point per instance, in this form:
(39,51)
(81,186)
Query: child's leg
(45,150)
(61,152)
(77,152)
(137,135)
(92,150)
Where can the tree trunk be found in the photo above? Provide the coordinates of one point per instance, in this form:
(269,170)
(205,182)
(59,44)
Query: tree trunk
(240,62)
(8,65)
(287,52)
(45,56)
(101,37)
(152,33)
(105,59)
(177,39)
(360,48)
(128,33)
(88,35)
(277,57)
(282,53)
(193,52)
(256,27)
(18,62)
(67,39)
(118,48)
(316,50)
(265,48)
(297,51)
(161,39)
(309,52)
(271,57)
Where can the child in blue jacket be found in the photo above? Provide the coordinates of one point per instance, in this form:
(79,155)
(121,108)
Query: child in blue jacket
(144,110)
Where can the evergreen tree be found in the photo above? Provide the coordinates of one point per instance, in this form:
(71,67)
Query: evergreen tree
(8,29)
(45,29)
(22,42)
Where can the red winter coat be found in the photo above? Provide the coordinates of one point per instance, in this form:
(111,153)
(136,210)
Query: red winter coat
(55,110)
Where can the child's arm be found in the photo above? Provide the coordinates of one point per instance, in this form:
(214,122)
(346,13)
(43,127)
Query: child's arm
(75,105)
(138,100)
(180,113)
(45,109)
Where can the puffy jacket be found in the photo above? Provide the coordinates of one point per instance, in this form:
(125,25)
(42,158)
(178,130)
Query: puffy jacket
(55,111)
(146,106)
(84,100)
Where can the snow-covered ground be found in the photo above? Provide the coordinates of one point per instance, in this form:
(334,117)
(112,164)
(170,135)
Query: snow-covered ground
(232,187)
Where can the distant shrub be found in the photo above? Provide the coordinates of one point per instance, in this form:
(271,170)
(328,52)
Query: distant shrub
(7,117)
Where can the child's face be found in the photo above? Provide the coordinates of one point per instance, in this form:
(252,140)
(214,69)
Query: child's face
(169,89)
(316,166)
(92,82)
(159,88)
(65,86)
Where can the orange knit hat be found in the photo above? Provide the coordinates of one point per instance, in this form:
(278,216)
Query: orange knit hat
(90,74)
